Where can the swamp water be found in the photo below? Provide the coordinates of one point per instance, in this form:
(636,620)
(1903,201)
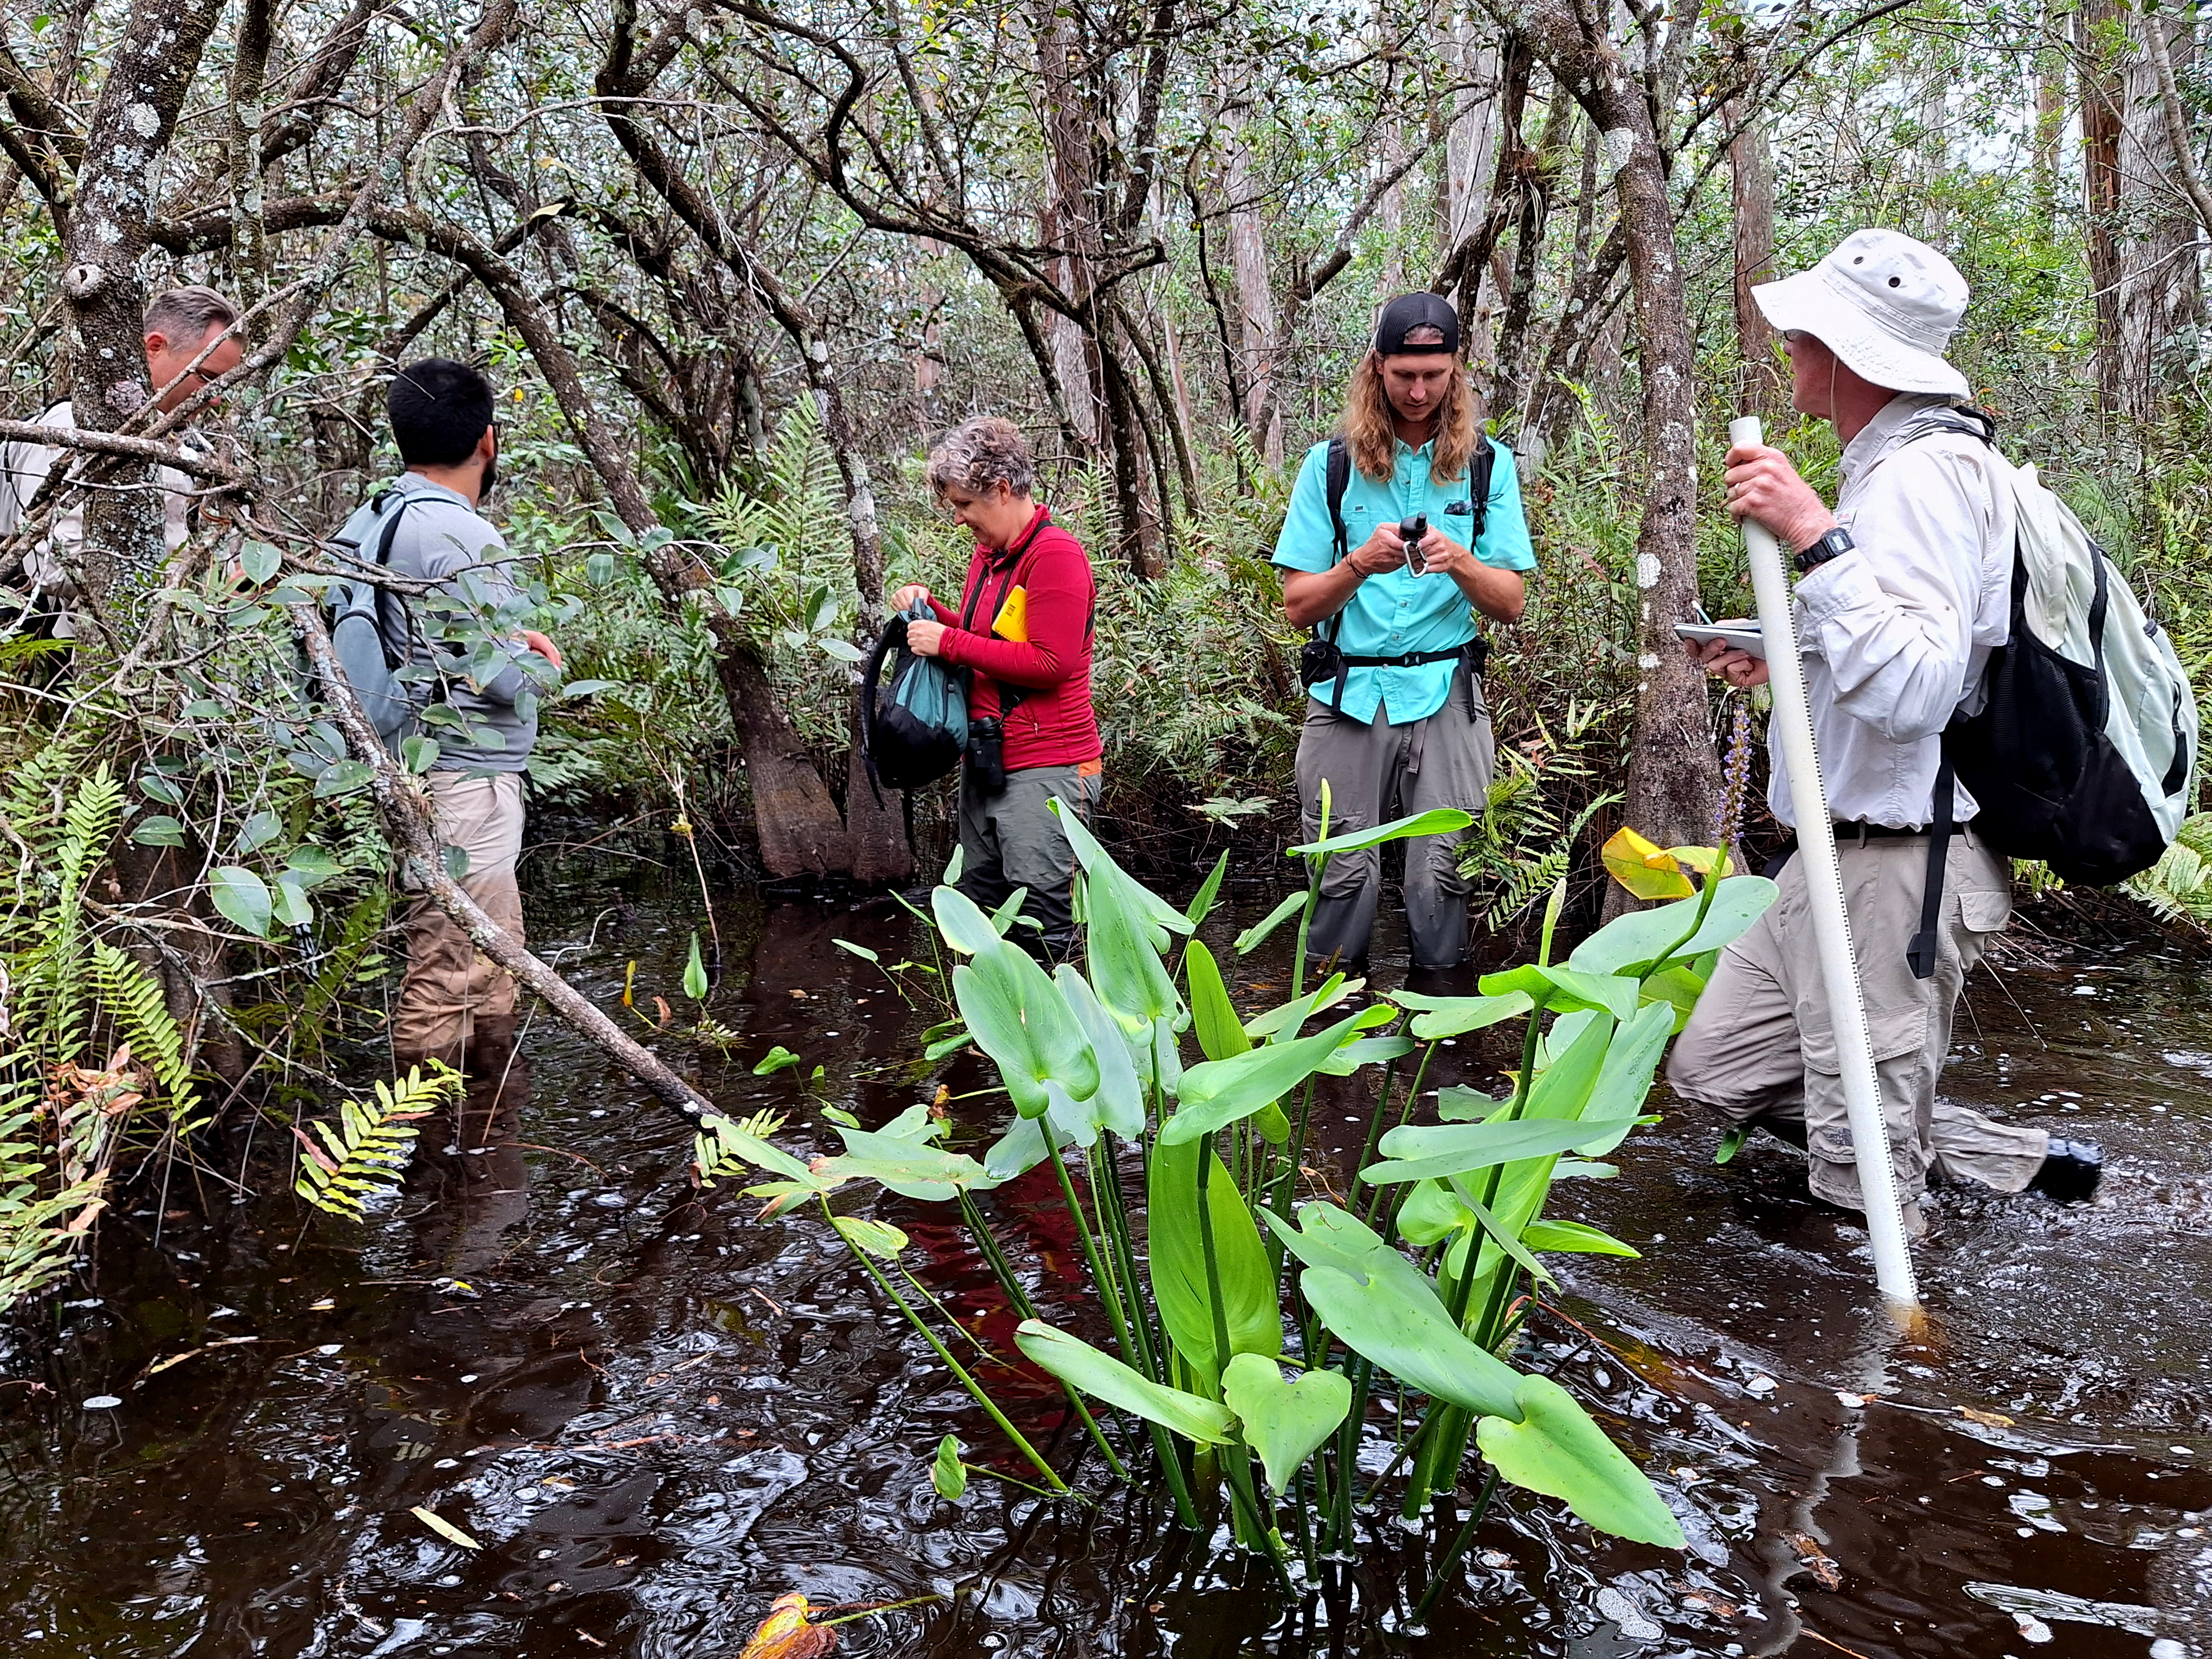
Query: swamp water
(655,1414)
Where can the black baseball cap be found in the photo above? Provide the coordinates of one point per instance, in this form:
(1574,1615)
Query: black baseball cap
(1410,313)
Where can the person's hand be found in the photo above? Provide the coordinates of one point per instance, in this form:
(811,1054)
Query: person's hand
(1384,551)
(1762,484)
(907,595)
(1442,556)
(544,646)
(925,638)
(1722,660)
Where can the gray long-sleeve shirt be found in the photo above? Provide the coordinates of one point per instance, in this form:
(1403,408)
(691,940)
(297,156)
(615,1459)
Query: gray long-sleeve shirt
(442,539)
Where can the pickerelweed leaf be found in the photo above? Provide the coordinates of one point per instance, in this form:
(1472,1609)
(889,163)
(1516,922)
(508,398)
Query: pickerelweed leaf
(962,922)
(1565,990)
(877,1238)
(1118,1102)
(1176,1260)
(1634,942)
(1290,1018)
(1572,1237)
(1256,935)
(1556,1449)
(1436,821)
(1284,1421)
(1019,1016)
(1201,904)
(1213,1095)
(948,1474)
(1388,1313)
(1203,1422)
(1220,1034)
(1422,1151)
(1451,1016)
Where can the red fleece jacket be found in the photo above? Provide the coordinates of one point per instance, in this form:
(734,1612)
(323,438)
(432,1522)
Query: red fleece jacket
(1054,724)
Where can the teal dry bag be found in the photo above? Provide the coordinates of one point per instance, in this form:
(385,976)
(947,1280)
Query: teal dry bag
(913,731)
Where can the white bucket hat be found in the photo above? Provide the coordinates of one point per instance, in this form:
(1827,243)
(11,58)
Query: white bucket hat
(1884,304)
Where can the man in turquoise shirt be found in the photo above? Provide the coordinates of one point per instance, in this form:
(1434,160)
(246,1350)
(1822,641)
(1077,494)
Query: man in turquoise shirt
(1403,727)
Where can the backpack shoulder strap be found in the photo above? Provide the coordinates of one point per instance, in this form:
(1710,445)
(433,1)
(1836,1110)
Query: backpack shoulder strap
(1478,491)
(1338,479)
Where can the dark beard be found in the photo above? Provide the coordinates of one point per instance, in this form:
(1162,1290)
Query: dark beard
(490,480)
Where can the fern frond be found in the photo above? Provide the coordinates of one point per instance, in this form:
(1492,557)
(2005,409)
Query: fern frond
(134,1000)
(362,1155)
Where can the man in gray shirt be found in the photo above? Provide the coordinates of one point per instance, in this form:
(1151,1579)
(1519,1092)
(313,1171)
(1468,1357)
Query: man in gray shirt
(474,676)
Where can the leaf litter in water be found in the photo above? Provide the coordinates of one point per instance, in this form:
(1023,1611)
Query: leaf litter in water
(445,1528)
(788,1633)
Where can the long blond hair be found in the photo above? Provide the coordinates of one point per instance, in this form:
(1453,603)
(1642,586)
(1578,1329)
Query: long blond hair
(1370,425)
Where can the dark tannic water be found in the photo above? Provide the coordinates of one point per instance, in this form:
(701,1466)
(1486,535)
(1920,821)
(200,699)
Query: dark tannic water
(656,1414)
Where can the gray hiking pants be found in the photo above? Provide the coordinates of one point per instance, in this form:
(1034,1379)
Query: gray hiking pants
(1760,1049)
(1377,772)
(1010,838)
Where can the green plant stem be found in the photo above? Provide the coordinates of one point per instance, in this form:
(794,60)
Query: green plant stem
(1347,1455)
(1238,1461)
(1377,1198)
(1108,1288)
(1002,1270)
(1113,1206)
(1315,865)
(974,1387)
(1414,1442)
(1460,1541)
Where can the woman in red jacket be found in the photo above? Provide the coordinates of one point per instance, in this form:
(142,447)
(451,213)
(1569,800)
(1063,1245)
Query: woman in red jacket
(1023,632)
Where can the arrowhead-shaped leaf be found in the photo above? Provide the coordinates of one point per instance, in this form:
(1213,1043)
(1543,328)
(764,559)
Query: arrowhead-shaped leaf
(1556,1449)
(1284,1421)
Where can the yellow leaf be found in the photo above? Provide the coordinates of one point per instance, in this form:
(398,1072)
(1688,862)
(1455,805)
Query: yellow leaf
(1643,869)
(445,1528)
(786,1634)
(1701,858)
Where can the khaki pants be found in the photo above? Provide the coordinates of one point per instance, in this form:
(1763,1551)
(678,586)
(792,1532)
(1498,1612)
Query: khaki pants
(1377,772)
(449,988)
(1010,838)
(1760,1049)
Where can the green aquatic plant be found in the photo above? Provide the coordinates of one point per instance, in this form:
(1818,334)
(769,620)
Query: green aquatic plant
(1250,1323)
(362,1155)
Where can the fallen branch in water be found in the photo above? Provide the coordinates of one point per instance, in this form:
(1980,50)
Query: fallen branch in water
(406,815)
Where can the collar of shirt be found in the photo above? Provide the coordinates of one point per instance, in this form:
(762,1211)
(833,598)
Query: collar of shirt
(1886,432)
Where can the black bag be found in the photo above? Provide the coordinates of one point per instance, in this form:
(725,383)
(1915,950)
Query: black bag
(1321,660)
(915,734)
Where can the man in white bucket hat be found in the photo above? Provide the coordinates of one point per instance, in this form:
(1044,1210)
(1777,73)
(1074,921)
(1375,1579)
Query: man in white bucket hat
(1904,590)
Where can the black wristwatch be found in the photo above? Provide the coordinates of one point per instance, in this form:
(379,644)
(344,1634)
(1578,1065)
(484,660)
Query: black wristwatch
(1834,544)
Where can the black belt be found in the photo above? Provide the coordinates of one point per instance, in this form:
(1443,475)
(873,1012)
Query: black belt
(1921,953)
(1410,659)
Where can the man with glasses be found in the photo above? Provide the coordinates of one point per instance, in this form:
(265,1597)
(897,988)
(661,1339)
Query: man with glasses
(181,326)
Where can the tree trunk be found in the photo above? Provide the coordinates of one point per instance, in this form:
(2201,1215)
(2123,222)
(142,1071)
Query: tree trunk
(2100,185)
(1470,155)
(1674,773)
(1762,391)
(1255,292)
(2161,295)
(110,230)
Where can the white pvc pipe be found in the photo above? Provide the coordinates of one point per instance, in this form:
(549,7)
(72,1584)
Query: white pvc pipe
(1791,730)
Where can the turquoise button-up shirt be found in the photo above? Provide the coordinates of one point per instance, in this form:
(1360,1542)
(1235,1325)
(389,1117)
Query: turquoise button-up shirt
(1398,613)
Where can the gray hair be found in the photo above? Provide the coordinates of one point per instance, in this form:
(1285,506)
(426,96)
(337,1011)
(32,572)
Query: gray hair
(979,453)
(186,316)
